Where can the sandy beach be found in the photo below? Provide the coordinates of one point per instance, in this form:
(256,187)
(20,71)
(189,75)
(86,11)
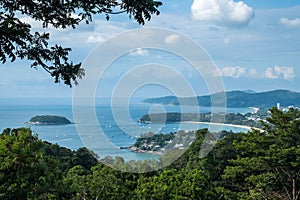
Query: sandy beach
(221,124)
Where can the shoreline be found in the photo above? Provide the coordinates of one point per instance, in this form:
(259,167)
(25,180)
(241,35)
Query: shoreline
(138,150)
(221,124)
(40,123)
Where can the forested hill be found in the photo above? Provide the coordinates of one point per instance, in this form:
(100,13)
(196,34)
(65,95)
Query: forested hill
(49,120)
(238,99)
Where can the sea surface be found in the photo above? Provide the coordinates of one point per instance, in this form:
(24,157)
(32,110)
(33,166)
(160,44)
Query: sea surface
(114,133)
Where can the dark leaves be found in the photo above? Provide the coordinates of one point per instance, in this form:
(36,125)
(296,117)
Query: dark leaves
(17,41)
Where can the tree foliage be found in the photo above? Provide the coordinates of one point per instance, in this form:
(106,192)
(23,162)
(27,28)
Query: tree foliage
(25,171)
(256,165)
(268,163)
(17,39)
(32,169)
(176,184)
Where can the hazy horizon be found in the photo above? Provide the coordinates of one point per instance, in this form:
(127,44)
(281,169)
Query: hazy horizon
(256,49)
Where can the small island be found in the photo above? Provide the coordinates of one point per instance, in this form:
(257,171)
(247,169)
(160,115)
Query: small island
(49,120)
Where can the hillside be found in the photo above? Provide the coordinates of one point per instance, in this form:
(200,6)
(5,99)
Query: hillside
(237,99)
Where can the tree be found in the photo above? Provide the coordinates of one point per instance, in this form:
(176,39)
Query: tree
(86,158)
(77,182)
(18,41)
(176,184)
(107,183)
(219,158)
(268,163)
(33,169)
(25,171)
(67,158)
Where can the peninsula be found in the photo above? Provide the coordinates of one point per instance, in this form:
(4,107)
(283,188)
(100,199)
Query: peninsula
(248,119)
(235,99)
(160,144)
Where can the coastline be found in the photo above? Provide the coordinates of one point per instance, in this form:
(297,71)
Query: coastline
(159,152)
(221,124)
(137,150)
(40,123)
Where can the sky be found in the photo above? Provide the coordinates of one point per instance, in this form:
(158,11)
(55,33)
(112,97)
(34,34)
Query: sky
(254,45)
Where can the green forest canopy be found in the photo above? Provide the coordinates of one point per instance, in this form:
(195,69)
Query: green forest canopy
(253,165)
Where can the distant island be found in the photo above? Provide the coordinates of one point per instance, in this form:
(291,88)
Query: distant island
(237,99)
(49,120)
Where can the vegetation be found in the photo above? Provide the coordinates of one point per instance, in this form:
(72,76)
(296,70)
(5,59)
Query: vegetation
(237,99)
(267,164)
(230,118)
(253,165)
(32,169)
(49,119)
(153,141)
(18,41)
(163,143)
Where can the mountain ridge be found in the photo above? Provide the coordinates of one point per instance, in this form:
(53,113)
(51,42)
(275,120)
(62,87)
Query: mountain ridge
(236,99)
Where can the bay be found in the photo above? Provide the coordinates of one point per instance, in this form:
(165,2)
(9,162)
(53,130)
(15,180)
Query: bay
(119,133)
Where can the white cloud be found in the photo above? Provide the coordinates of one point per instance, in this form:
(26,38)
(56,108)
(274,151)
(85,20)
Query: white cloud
(269,73)
(234,72)
(290,22)
(139,52)
(174,38)
(95,39)
(34,24)
(286,72)
(222,12)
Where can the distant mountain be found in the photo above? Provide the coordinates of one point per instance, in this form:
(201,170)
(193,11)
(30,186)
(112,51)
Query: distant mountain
(237,99)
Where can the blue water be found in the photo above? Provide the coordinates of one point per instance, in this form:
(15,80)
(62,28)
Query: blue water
(119,134)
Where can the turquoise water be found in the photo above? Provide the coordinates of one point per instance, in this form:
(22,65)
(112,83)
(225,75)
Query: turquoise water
(119,134)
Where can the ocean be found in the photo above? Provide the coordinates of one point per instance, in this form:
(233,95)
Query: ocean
(116,133)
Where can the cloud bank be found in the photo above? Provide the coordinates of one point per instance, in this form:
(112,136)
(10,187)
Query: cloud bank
(286,72)
(277,72)
(222,12)
(290,22)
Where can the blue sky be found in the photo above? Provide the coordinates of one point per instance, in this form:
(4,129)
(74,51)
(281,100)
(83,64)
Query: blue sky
(255,45)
